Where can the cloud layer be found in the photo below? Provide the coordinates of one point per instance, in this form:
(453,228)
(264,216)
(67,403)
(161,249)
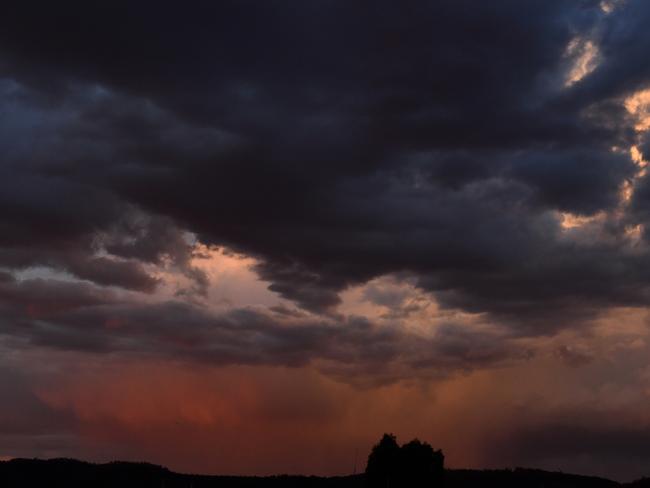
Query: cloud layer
(379,195)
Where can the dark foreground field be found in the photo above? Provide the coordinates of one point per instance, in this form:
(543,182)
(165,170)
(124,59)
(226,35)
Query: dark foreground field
(28,473)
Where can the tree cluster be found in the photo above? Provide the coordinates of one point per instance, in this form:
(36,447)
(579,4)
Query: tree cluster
(413,465)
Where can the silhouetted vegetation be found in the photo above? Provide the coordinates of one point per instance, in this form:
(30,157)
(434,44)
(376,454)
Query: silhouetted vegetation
(415,465)
(68,473)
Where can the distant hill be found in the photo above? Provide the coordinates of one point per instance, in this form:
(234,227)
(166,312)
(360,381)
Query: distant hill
(523,478)
(70,473)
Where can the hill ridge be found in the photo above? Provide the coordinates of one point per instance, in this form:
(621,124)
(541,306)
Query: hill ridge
(69,472)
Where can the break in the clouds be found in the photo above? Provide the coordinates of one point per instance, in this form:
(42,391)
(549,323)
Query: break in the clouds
(377,193)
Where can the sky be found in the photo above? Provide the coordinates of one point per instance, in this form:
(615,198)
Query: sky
(250,237)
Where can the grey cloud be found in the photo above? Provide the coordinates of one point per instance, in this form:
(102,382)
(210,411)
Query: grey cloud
(332,144)
(72,316)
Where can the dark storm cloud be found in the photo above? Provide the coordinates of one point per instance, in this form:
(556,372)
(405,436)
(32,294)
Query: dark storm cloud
(82,317)
(334,142)
(623,40)
(50,295)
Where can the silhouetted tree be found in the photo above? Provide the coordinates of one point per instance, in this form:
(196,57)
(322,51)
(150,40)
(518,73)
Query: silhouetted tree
(413,465)
(420,465)
(383,463)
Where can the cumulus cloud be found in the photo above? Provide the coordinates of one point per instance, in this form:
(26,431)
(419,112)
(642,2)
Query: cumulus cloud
(81,317)
(417,141)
